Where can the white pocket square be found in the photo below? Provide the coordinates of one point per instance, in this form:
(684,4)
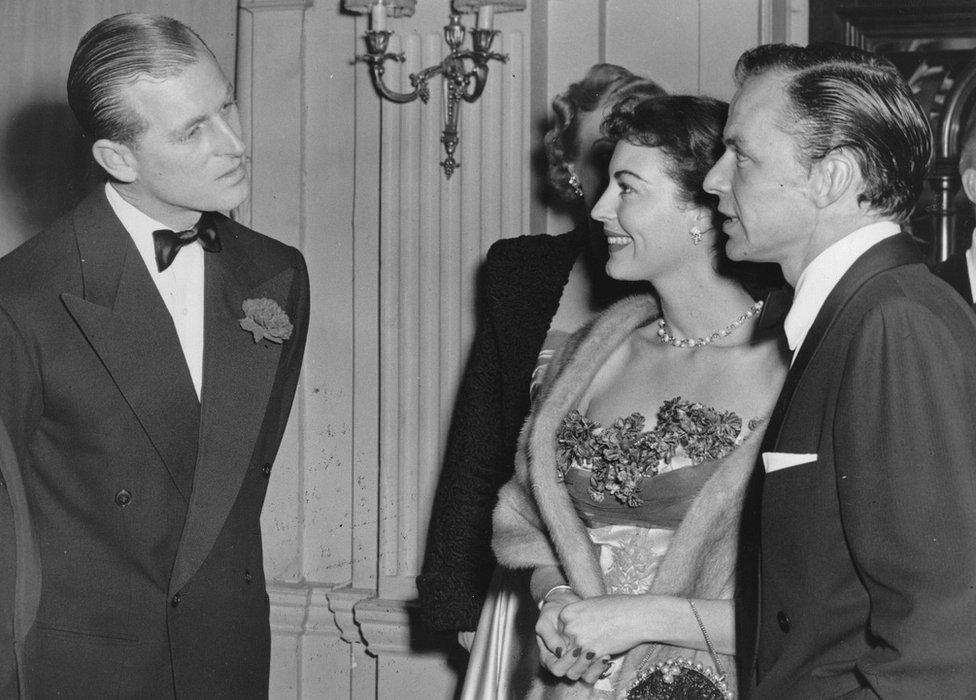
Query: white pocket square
(774,461)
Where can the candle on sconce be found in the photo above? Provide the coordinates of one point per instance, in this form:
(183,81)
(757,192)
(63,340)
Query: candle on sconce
(377,16)
(486,16)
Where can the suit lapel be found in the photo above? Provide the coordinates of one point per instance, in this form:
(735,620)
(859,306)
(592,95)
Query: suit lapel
(891,252)
(238,378)
(128,326)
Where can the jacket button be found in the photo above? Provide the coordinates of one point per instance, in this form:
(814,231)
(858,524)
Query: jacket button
(266,470)
(247,577)
(175,602)
(123,498)
(783,621)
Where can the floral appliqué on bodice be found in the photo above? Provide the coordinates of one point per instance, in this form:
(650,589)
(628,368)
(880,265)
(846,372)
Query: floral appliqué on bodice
(633,528)
(621,455)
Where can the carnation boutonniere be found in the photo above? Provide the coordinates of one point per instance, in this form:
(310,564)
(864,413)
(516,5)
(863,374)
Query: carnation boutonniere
(263,318)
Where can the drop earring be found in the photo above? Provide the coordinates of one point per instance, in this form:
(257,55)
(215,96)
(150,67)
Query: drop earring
(697,232)
(574,183)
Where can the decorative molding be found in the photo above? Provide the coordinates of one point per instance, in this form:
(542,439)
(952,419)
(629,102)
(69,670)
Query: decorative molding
(289,608)
(384,625)
(320,610)
(274,5)
(341,603)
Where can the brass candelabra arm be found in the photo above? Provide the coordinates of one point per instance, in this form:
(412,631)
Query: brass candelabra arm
(459,84)
(376,45)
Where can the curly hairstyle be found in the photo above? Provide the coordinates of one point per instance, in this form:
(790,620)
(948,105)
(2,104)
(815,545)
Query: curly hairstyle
(688,130)
(602,83)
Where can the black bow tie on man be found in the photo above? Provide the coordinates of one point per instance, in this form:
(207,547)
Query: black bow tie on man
(168,243)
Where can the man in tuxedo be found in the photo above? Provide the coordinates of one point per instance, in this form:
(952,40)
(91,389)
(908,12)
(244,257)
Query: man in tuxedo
(867,482)
(959,269)
(149,353)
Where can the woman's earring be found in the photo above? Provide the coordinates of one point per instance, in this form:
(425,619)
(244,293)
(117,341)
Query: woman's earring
(574,183)
(697,232)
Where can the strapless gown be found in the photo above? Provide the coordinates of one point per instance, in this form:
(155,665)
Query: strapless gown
(631,487)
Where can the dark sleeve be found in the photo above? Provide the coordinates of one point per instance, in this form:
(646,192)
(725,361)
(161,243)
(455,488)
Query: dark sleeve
(292,352)
(458,562)
(905,457)
(8,581)
(19,410)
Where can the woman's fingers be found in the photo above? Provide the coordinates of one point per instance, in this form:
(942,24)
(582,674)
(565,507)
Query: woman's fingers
(599,668)
(580,662)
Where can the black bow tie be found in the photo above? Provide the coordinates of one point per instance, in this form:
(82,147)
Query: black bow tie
(168,243)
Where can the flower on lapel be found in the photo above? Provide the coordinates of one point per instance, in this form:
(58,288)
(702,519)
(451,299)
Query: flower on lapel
(263,318)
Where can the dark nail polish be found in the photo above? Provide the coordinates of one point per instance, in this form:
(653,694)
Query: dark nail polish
(576,652)
(559,652)
(590,655)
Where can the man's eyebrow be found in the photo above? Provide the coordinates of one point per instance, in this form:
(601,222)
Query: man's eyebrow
(190,123)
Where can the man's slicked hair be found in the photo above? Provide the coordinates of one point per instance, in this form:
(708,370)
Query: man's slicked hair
(841,97)
(114,54)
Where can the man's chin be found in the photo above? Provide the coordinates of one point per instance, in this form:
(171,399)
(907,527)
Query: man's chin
(735,251)
(231,199)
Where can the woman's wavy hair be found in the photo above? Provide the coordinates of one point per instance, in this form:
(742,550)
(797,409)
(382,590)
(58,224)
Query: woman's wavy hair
(603,83)
(688,130)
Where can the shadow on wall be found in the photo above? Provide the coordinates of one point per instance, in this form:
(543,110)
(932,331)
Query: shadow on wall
(45,168)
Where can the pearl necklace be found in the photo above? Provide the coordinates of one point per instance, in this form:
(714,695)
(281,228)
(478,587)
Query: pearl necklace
(667,338)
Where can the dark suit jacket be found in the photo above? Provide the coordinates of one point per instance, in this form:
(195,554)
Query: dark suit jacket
(868,556)
(146,501)
(20,571)
(955,271)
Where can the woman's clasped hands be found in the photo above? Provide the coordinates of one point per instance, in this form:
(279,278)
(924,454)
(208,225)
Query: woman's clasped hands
(578,637)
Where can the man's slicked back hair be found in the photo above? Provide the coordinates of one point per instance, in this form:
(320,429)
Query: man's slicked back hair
(114,54)
(841,97)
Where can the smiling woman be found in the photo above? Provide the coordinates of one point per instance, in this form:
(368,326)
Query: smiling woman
(696,365)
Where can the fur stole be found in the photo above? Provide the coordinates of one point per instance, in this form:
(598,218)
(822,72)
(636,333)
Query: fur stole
(536,525)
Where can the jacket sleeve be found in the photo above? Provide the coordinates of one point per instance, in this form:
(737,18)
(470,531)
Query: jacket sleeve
(458,563)
(20,582)
(905,459)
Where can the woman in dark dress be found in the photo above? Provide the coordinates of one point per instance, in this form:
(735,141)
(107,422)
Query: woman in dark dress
(536,290)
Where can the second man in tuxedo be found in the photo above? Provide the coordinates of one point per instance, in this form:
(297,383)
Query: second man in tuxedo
(867,492)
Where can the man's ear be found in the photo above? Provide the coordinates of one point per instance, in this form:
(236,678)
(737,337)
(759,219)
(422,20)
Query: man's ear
(834,175)
(116,159)
(968,178)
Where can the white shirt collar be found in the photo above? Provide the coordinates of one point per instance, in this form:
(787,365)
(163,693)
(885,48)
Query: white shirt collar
(139,225)
(819,278)
(971,266)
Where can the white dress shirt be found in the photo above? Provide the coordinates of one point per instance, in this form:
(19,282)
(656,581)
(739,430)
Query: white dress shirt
(819,278)
(971,266)
(180,285)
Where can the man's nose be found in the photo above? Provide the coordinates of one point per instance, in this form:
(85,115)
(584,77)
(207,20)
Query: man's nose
(230,142)
(716,181)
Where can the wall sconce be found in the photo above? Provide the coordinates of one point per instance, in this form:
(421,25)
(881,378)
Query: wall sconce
(459,82)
